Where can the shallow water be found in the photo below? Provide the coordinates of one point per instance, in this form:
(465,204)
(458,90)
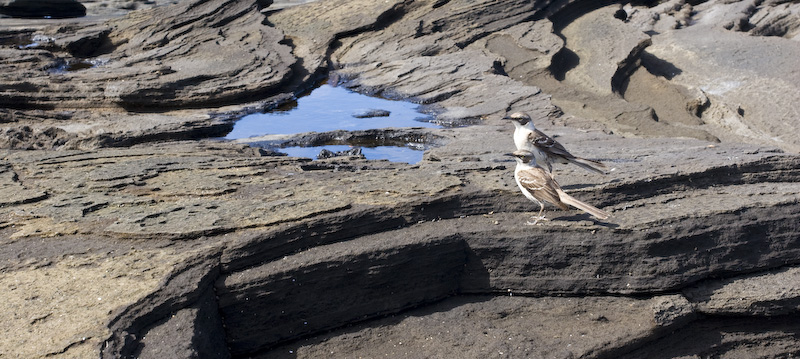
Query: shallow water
(329,108)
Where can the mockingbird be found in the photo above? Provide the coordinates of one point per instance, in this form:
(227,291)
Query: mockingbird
(538,185)
(546,150)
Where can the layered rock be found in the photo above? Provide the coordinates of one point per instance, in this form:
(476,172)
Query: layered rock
(461,231)
(552,327)
(431,45)
(167,58)
(216,249)
(146,62)
(729,105)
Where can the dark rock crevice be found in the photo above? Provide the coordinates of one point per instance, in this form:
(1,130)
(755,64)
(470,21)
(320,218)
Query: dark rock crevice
(658,67)
(203,335)
(564,12)
(189,284)
(628,66)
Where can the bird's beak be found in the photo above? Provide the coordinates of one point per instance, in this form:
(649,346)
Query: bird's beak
(507,118)
(509,154)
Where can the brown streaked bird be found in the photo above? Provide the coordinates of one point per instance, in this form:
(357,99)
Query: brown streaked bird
(539,186)
(545,149)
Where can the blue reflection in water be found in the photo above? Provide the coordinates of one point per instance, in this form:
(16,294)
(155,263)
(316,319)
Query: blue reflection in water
(329,108)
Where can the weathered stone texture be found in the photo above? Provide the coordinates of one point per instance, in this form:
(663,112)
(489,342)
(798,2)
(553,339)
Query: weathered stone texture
(126,230)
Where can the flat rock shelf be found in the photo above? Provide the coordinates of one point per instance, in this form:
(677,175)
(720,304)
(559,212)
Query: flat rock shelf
(128,229)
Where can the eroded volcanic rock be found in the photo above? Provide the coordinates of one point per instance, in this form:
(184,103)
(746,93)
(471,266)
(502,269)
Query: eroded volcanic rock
(204,216)
(145,62)
(193,54)
(121,238)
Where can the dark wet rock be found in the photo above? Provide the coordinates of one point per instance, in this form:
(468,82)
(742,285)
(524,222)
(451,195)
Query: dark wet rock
(95,9)
(50,9)
(371,113)
(85,43)
(353,152)
(404,137)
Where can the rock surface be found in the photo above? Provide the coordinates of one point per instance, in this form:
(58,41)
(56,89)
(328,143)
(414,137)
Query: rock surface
(549,327)
(126,230)
(371,113)
(206,54)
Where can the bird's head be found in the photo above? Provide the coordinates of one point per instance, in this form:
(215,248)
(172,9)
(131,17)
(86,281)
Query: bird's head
(520,118)
(522,156)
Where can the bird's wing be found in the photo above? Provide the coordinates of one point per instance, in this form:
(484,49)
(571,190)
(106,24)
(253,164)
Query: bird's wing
(539,183)
(548,144)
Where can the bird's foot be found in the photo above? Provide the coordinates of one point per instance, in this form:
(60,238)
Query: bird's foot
(536,220)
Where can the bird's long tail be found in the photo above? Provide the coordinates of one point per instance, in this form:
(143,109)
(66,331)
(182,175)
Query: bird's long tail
(590,165)
(596,212)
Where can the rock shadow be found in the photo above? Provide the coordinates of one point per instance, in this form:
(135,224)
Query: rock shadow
(290,350)
(587,217)
(659,67)
(562,16)
(715,337)
(564,61)
(186,296)
(205,339)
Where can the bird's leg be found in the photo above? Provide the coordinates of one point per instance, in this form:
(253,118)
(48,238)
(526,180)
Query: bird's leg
(538,217)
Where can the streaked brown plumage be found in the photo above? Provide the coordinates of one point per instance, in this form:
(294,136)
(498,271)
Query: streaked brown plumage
(539,186)
(544,148)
